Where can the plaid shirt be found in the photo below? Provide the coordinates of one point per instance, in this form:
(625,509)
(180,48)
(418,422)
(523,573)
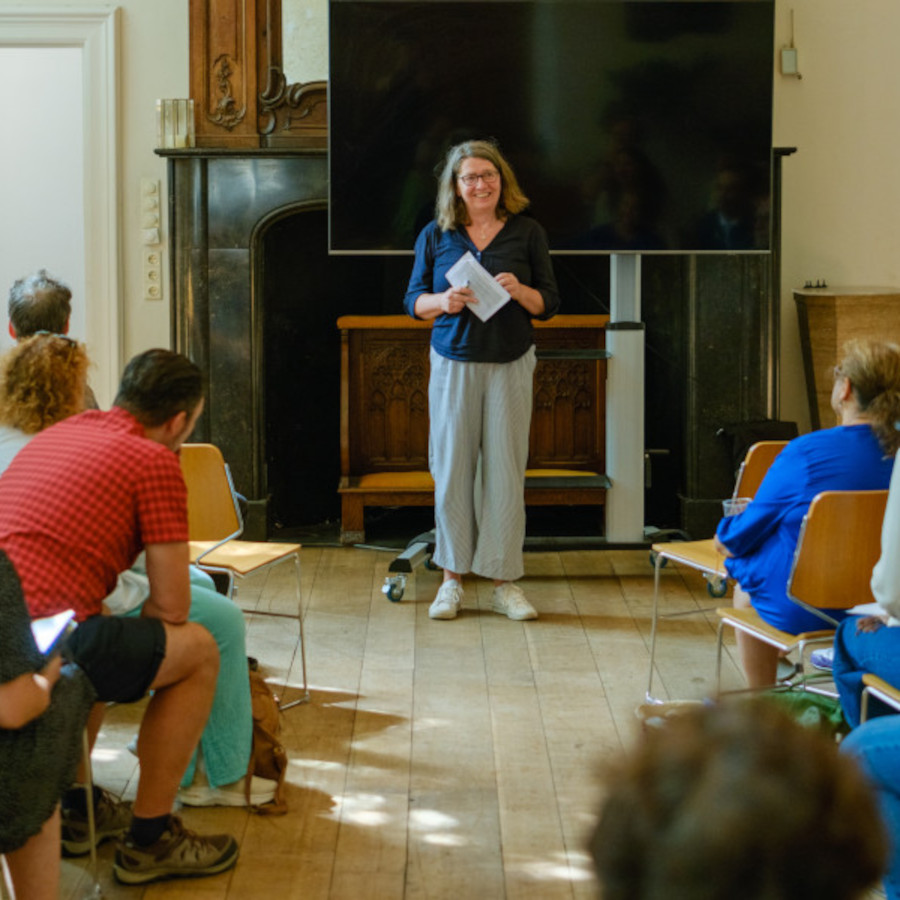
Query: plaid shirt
(79,503)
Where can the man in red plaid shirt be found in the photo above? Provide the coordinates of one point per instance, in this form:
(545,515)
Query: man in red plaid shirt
(77,505)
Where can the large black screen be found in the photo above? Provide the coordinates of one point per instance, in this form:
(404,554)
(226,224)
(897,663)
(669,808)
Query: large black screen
(633,125)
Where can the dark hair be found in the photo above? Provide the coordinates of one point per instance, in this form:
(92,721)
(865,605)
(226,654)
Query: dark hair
(39,303)
(157,385)
(737,802)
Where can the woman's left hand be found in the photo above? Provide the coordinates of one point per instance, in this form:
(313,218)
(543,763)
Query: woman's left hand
(869,624)
(510,284)
(528,298)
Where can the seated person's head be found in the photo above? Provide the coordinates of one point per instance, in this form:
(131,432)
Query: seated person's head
(160,387)
(38,303)
(42,381)
(737,802)
(872,369)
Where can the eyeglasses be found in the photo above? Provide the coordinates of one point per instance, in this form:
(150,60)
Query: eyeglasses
(486,177)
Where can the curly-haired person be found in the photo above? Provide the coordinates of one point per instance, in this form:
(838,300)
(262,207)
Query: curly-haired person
(737,801)
(42,382)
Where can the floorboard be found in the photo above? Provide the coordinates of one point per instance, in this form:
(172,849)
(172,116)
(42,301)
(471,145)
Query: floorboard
(440,759)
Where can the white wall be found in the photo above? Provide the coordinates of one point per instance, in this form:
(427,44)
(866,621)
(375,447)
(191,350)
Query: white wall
(842,187)
(154,63)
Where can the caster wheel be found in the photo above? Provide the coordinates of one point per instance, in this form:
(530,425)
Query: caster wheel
(393,587)
(717,587)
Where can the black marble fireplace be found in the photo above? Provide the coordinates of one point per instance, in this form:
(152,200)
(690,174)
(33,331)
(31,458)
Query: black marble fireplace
(255,299)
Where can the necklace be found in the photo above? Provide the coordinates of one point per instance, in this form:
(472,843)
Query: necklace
(488,229)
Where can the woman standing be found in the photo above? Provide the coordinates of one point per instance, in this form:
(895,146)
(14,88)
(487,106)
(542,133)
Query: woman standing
(480,391)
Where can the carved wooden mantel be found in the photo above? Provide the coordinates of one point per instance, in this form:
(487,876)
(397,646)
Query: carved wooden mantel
(237,81)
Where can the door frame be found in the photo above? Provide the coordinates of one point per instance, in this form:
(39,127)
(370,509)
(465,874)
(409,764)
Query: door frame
(95,31)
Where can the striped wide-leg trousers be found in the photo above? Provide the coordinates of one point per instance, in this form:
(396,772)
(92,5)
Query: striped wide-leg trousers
(478,448)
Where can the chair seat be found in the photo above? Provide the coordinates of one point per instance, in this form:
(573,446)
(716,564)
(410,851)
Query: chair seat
(882,689)
(241,557)
(750,621)
(701,555)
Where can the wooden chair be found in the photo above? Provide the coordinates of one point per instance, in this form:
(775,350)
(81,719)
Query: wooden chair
(702,555)
(215,525)
(838,546)
(876,687)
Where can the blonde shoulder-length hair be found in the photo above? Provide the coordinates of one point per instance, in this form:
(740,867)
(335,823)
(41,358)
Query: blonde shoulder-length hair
(449,208)
(873,370)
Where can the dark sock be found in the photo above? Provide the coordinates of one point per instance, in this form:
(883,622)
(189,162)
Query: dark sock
(148,831)
(75,798)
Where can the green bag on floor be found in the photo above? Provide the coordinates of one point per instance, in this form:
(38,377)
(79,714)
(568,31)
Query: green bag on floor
(812,710)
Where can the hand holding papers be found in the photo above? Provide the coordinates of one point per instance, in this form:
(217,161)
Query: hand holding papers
(468,272)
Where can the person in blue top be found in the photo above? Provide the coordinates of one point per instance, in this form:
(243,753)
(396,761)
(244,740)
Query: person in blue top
(480,389)
(856,455)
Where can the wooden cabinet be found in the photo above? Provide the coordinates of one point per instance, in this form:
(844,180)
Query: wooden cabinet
(384,415)
(829,317)
(241,96)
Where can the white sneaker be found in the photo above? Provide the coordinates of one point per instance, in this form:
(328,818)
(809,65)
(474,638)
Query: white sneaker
(509,600)
(447,602)
(262,790)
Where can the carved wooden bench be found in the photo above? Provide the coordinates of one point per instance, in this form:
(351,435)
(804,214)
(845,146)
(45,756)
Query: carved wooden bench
(384,416)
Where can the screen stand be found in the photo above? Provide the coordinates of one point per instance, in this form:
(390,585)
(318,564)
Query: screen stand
(625,403)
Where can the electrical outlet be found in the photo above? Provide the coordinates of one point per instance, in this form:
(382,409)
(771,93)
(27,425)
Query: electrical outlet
(151,254)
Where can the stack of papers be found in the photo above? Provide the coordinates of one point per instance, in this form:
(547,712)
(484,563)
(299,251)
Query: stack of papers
(468,272)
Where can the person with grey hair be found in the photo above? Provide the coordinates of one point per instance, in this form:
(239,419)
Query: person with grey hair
(38,302)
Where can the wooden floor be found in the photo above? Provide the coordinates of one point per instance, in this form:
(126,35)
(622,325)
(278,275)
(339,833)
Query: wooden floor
(440,759)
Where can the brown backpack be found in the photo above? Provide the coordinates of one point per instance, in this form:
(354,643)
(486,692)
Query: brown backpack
(268,758)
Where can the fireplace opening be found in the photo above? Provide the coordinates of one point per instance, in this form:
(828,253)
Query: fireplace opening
(304,291)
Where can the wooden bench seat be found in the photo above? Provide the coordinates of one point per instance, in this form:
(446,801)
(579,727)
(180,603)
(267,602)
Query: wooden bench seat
(384,416)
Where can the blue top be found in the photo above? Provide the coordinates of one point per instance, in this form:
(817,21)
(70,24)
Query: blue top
(762,539)
(520,247)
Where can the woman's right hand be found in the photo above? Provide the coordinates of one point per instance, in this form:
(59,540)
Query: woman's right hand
(28,696)
(455,299)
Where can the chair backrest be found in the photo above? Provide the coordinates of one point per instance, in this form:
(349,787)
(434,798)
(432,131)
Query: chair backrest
(839,544)
(213,513)
(755,465)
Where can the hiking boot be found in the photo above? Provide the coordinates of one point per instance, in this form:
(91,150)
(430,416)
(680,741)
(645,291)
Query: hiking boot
(179,853)
(447,602)
(111,818)
(509,600)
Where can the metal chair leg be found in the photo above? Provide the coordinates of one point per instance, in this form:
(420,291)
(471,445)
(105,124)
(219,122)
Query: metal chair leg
(657,565)
(720,637)
(304,697)
(864,705)
(94,888)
